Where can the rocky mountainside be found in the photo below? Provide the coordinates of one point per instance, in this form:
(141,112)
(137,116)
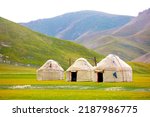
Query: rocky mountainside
(137,24)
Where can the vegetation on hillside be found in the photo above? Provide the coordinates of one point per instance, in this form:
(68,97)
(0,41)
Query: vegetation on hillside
(140,68)
(124,48)
(21,45)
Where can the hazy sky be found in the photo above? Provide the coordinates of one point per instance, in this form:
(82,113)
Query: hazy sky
(27,10)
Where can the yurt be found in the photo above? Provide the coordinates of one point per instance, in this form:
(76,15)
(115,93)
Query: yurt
(51,70)
(80,70)
(112,69)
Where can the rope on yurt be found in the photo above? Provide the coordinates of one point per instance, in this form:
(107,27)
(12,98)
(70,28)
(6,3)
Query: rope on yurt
(120,66)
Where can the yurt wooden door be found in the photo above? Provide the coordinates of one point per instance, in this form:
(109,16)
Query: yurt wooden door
(99,77)
(74,76)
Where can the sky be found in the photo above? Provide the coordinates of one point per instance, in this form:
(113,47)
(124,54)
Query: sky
(28,10)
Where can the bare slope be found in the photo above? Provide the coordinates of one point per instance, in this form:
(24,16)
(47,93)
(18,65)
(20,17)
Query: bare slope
(144,58)
(138,28)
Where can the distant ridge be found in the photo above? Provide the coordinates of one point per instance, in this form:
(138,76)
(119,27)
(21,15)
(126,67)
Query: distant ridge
(71,26)
(129,41)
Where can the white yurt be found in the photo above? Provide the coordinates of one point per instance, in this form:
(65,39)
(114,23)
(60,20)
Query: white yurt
(80,70)
(112,69)
(51,70)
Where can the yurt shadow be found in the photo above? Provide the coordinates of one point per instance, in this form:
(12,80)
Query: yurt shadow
(73,76)
(99,77)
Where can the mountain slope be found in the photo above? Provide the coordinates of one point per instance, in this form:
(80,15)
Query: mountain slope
(123,47)
(23,46)
(70,26)
(138,29)
(144,58)
(129,42)
(142,36)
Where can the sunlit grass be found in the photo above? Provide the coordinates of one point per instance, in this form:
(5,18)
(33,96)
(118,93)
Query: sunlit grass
(30,79)
(11,69)
(61,90)
(72,94)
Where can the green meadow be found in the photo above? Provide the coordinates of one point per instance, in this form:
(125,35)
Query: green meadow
(19,83)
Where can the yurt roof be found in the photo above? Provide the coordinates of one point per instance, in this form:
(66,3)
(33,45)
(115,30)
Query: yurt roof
(80,64)
(51,65)
(112,62)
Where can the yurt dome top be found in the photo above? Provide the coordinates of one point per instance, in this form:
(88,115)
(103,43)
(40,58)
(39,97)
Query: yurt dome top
(51,65)
(80,64)
(112,62)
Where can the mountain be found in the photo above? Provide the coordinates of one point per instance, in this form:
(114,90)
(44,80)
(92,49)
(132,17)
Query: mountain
(125,48)
(129,41)
(137,29)
(20,45)
(144,58)
(71,26)
(142,36)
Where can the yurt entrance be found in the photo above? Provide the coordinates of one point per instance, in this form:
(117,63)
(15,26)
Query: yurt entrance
(73,76)
(99,77)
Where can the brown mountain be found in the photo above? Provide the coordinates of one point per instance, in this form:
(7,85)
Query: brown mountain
(137,29)
(145,58)
(129,42)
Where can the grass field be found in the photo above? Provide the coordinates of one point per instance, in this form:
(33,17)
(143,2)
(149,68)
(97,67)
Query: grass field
(20,83)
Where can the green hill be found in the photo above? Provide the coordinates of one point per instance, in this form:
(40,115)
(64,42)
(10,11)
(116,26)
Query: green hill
(140,68)
(19,45)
